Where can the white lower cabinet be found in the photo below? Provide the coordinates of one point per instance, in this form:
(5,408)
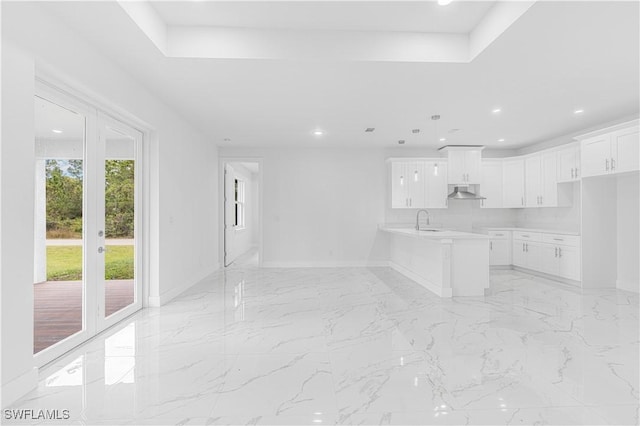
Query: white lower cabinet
(553,254)
(499,248)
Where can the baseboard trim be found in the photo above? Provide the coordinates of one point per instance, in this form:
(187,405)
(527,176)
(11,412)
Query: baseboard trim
(549,277)
(325,264)
(437,290)
(633,287)
(19,387)
(163,299)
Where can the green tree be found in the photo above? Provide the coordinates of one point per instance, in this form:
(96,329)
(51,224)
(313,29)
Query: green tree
(119,198)
(64,193)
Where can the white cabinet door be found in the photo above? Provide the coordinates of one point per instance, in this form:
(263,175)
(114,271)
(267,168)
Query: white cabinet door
(533,181)
(513,183)
(595,155)
(500,252)
(436,190)
(549,172)
(569,262)
(533,252)
(456,165)
(518,253)
(399,192)
(472,166)
(567,161)
(549,259)
(625,152)
(415,184)
(491,184)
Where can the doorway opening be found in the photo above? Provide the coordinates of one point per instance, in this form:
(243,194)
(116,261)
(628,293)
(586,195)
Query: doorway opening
(242,213)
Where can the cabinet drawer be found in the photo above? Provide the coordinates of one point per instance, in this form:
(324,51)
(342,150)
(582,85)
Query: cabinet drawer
(499,235)
(527,236)
(559,239)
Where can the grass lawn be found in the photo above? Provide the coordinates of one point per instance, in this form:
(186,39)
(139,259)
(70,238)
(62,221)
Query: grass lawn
(64,263)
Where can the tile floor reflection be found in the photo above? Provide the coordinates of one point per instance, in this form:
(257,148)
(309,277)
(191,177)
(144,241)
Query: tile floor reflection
(357,346)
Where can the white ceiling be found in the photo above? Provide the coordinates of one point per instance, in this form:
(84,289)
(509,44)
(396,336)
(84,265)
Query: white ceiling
(557,57)
(459,17)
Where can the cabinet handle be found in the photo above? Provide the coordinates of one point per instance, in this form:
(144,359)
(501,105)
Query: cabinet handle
(572,173)
(482,203)
(556,252)
(522,200)
(522,246)
(558,239)
(490,245)
(526,245)
(406,202)
(541,200)
(559,252)
(613,164)
(576,172)
(606,165)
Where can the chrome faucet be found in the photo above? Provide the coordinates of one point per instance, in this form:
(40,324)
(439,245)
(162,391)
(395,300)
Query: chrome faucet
(418,218)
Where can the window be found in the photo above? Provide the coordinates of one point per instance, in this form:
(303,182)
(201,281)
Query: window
(239,195)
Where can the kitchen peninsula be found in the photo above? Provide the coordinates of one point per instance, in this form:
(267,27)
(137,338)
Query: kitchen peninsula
(448,263)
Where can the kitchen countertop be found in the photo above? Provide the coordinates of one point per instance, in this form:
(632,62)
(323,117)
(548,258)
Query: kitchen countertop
(443,234)
(517,228)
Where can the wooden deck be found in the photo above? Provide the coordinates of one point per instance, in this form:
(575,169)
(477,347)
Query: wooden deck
(58,308)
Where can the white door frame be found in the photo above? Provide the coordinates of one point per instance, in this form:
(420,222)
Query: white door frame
(56,91)
(222,162)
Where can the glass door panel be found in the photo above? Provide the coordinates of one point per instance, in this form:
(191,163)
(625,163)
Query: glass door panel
(59,224)
(119,219)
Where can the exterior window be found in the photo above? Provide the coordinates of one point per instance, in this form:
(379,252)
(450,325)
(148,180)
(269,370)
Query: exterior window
(239,195)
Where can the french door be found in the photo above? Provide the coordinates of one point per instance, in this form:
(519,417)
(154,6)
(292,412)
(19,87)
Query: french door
(87,264)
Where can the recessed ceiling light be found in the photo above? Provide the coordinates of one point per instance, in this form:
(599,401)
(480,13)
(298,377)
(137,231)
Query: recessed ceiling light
(578,111)
(414,131)
(318,132)
(496,110)
(369,129)
(501,140)
(401,142)
(443,139)
(56,131)
(444,2)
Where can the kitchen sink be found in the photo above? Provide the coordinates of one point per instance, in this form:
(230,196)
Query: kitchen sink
(430,230)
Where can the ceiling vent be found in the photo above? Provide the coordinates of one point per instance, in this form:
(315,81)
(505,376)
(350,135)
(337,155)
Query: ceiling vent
(369,129)
(401,142)
(415,131)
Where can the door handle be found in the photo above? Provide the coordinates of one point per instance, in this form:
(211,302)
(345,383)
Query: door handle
(102,250)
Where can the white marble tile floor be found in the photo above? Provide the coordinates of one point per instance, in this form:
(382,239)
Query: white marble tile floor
(357,346)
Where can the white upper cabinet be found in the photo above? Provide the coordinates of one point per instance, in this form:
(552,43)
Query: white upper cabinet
(419,184)
(596,155)
(624,146)
(541,183)
(613,152)
(491,184)
(415,184)
(464,164)
(568,159)
(513,183)
(436,190)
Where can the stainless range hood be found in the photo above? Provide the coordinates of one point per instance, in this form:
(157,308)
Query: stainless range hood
(462,193)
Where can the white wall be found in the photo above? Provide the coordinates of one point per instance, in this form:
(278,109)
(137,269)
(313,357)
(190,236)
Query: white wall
(628,244)
(321,206)
(183,170)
